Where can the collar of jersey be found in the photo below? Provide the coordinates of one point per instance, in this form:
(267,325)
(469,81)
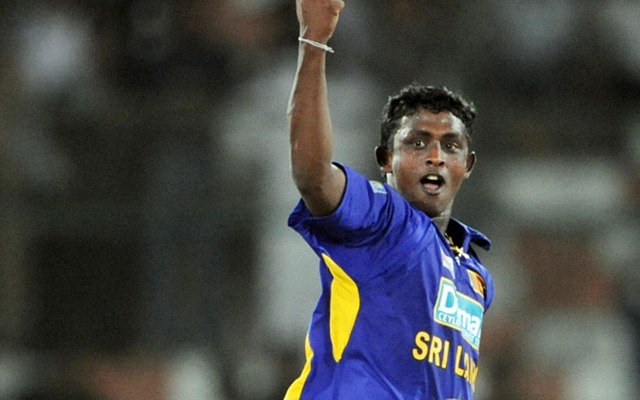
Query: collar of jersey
(457,229)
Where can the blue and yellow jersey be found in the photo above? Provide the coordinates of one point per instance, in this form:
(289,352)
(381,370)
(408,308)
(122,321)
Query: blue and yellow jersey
(400,313)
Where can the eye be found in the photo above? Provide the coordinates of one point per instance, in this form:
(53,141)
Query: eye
(452,146)
(418,143)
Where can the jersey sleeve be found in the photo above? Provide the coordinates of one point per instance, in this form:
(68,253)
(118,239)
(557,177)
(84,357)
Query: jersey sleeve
(371,234)
(364,214)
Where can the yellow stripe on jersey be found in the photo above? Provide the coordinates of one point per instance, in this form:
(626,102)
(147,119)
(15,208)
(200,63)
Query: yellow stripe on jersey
(344,307)
(295,390)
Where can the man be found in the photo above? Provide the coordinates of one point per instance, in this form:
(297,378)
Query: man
(403,293)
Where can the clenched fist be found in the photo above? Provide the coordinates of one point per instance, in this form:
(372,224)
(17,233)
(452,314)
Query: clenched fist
(318,18)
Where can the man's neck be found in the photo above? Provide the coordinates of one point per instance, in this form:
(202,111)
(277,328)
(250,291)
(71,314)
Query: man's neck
(442,222)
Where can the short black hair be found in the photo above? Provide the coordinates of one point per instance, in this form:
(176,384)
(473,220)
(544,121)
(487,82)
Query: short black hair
(433,98)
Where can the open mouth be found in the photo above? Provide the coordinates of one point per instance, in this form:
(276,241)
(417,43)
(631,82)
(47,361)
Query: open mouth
(432,182)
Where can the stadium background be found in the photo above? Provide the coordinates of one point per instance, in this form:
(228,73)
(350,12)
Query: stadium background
(144,252)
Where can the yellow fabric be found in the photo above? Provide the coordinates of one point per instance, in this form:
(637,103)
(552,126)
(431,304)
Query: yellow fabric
(344,307)
(295,390)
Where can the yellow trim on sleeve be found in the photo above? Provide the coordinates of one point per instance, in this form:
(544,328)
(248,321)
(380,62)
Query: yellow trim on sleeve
(344,307)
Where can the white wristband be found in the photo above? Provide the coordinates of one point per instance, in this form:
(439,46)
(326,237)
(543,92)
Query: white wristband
(316,44)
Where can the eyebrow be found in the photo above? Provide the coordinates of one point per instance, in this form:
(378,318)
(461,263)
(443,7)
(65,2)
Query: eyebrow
(425,133)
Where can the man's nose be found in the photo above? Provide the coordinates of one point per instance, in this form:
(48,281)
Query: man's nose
(434,154)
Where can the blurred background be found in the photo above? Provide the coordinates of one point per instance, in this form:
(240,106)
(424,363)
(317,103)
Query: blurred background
(144,252)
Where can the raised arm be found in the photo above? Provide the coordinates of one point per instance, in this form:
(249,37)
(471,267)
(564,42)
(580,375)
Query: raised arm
(320,183)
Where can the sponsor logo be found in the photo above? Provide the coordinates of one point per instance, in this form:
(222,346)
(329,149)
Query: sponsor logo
(459,311)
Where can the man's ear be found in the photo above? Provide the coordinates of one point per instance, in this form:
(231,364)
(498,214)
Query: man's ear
(383,157)
(471,162)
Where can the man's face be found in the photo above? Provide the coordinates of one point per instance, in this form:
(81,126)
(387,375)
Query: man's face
(429,160)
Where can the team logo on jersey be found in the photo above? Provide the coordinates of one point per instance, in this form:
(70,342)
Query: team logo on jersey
(477,283)
(459,311)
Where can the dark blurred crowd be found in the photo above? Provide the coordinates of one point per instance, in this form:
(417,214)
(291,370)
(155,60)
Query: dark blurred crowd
(144,252)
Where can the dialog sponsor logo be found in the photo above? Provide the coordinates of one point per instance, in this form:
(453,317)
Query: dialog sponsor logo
(459,311)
